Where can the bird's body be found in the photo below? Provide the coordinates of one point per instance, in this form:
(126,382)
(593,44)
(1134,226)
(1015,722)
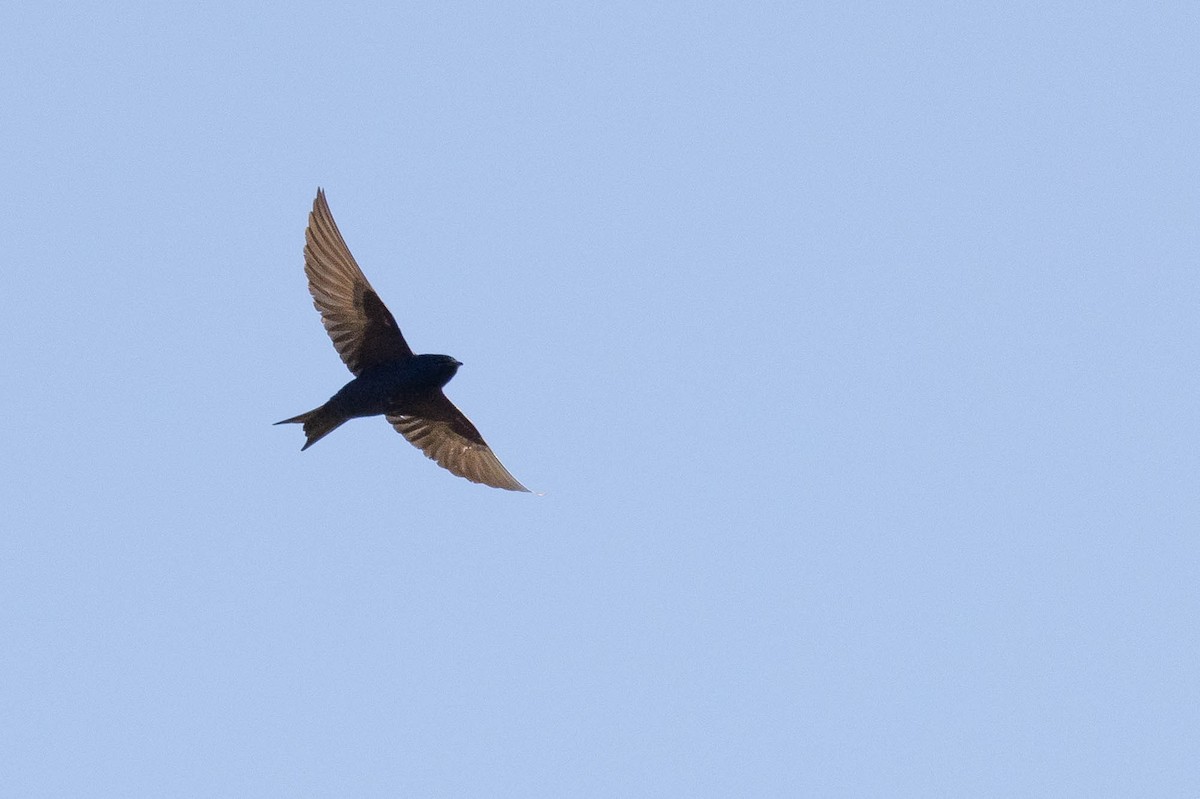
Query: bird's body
(403,386)
(395,385)
(389,379)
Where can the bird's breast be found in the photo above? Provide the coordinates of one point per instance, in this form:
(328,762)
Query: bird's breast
(377,390)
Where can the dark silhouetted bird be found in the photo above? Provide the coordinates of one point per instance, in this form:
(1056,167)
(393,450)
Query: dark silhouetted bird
(388,378)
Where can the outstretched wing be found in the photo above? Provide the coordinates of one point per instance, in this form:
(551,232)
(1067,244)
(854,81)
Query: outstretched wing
(440,430)
(363,330)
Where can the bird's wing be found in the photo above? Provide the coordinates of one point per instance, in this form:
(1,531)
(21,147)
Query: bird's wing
(363,330)
(440,430)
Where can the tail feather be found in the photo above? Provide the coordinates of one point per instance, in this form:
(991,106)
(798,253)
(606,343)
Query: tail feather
(318,423)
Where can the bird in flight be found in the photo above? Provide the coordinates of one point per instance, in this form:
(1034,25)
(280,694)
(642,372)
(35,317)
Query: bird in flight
(389,379)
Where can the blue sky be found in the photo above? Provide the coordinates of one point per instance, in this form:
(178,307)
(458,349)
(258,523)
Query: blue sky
(853,345)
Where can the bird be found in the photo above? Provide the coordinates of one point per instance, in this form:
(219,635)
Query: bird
(389,378)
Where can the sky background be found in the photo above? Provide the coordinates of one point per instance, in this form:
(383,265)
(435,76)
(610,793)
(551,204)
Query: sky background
(853,346)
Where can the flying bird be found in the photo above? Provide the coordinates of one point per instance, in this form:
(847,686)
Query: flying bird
(389,379)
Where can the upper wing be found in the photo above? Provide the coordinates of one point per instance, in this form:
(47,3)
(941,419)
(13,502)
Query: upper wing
(442,432)
(363,330)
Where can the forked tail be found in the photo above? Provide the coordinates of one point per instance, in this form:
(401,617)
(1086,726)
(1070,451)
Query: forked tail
(318,423)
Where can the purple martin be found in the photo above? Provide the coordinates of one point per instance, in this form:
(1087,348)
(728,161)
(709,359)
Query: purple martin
(389,379)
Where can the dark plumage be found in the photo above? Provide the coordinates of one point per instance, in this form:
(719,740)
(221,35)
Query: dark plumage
(388,378)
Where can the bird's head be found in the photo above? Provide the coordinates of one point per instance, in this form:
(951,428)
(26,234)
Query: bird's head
(439,369)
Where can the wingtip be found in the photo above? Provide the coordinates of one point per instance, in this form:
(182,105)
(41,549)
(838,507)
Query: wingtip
(513,484)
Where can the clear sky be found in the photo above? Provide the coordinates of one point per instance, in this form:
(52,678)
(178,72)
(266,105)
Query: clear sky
(853,346)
